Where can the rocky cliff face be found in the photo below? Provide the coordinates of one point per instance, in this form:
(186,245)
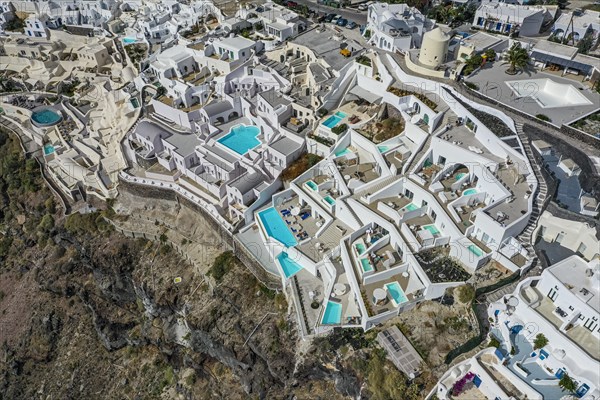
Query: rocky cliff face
(86,313)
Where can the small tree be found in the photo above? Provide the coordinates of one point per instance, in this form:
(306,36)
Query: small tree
(567,383)
(490,54)
(517,57)
(540,341)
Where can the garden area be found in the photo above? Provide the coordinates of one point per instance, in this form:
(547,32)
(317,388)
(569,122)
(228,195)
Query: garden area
(136,52)
(401,92)
(300,166)
(440,267)
(589,124)
(379,132)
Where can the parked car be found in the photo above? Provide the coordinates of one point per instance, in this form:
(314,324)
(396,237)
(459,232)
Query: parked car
(322,18)
(351,25)
(342,22)
(362,7)
(329,17)
(336,19)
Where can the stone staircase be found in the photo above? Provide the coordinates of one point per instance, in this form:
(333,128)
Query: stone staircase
(375,188)
(540,195)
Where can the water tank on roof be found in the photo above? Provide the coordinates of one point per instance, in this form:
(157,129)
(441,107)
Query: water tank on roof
(434,48)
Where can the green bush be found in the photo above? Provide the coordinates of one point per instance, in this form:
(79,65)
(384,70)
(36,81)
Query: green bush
(543,117)
(321,112)
(339,129)
(46,224)
(222,265)
(471,85)
(494,342)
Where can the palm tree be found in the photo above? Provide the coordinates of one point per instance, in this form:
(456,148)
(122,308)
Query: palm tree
(517,57)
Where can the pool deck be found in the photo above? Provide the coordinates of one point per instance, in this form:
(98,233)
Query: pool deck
(492,83)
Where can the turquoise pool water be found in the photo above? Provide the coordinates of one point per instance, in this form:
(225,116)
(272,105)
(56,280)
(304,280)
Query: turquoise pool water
(45,117)
(470,191)
(276,228)
(332,314)
(383,149)
(475,250)
(433,229)
(289,266)
(342,152)
(366,265)
(396,292)
(360,248)
(459,176)
(410,207)
(329,200)
(48,149)
(312,185)
(334,119)
(129,40)
(241,138)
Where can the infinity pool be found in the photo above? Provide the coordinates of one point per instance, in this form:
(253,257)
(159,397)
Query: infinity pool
(129,40)
(360,248)
(410,207)
(433,229)
(289,266)
(459,176)
(45,117)
(470,191)
(48,149)
(396,292)
(366,265)
(475,250)
(342,152)
(334,119)
(332,314)
(311,185)
(241,138)
(329,200)
(276,228)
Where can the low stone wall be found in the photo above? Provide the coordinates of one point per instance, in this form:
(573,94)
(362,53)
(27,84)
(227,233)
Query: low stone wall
(565,129)
(226,237)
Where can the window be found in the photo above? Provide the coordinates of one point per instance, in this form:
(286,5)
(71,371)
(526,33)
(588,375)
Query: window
(552,294)
(433,214)
(560,237)
(409,194)
(571,308)
(582,248)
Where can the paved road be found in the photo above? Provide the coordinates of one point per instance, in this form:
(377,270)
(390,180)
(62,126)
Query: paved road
(360,17)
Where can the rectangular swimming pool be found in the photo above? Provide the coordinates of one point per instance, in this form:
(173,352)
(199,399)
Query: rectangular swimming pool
(241,138)
(329,200)
(289,266)
(342,152)
(276,228)
(360,248)
(433,229)
(475,250)
(311,185)
(334,119)
(332,314)
(410,207)
(396,293)
(366,265)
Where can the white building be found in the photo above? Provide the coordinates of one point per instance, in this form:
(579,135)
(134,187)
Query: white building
(506,18)
(563,305)
(576,25)
(396,27)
